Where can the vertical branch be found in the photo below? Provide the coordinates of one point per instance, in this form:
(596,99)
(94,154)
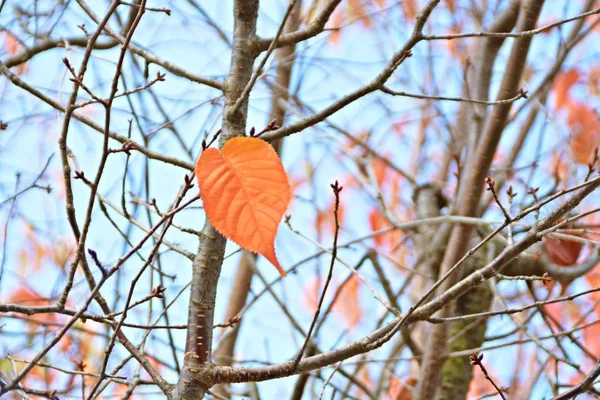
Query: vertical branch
(193,383)
(478,78)
(283,74)
(243,276)
(485,61)
(466,334)
(205,275)
(471,189)
(243,54)
(428,201)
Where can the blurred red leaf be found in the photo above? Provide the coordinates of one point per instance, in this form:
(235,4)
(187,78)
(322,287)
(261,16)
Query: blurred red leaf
(583,122)
(457,48)
(348,303)
(380,170)
(337,20)
(590,338)
(593,278)
(561,251)
(325,221)
(377,221)
(410,9)
(401,390)
(356,9)
(392,241)
(38,375)
(545,22)
(559,167)
(27,296)
(36,251)
(562,86)
(12,46)
(480,386)
(594,80)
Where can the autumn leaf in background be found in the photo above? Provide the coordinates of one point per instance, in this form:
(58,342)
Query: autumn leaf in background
(583,122)
(401,389)
(582,119)
(349,306)
(346,302)
(562,86)
(245,191)
(562,251)
(410,9)
(37,252)
(354,11)
(13,46)
(480,386)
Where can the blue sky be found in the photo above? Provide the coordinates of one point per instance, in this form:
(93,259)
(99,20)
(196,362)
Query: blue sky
(323,72)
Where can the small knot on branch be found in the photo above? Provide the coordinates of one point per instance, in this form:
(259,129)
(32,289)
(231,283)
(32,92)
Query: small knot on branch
(206,145)
(94,256)
(158,292)
(522,93)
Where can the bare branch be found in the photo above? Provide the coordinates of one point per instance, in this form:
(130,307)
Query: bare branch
(316,27)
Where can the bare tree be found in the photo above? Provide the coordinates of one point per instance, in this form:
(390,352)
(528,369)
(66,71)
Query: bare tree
(442,238)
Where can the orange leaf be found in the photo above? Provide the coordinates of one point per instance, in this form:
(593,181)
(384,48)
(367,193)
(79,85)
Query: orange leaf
(245,191)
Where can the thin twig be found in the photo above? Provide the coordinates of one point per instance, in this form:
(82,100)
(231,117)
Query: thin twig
(336,191)
(512,35)
(476,360)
